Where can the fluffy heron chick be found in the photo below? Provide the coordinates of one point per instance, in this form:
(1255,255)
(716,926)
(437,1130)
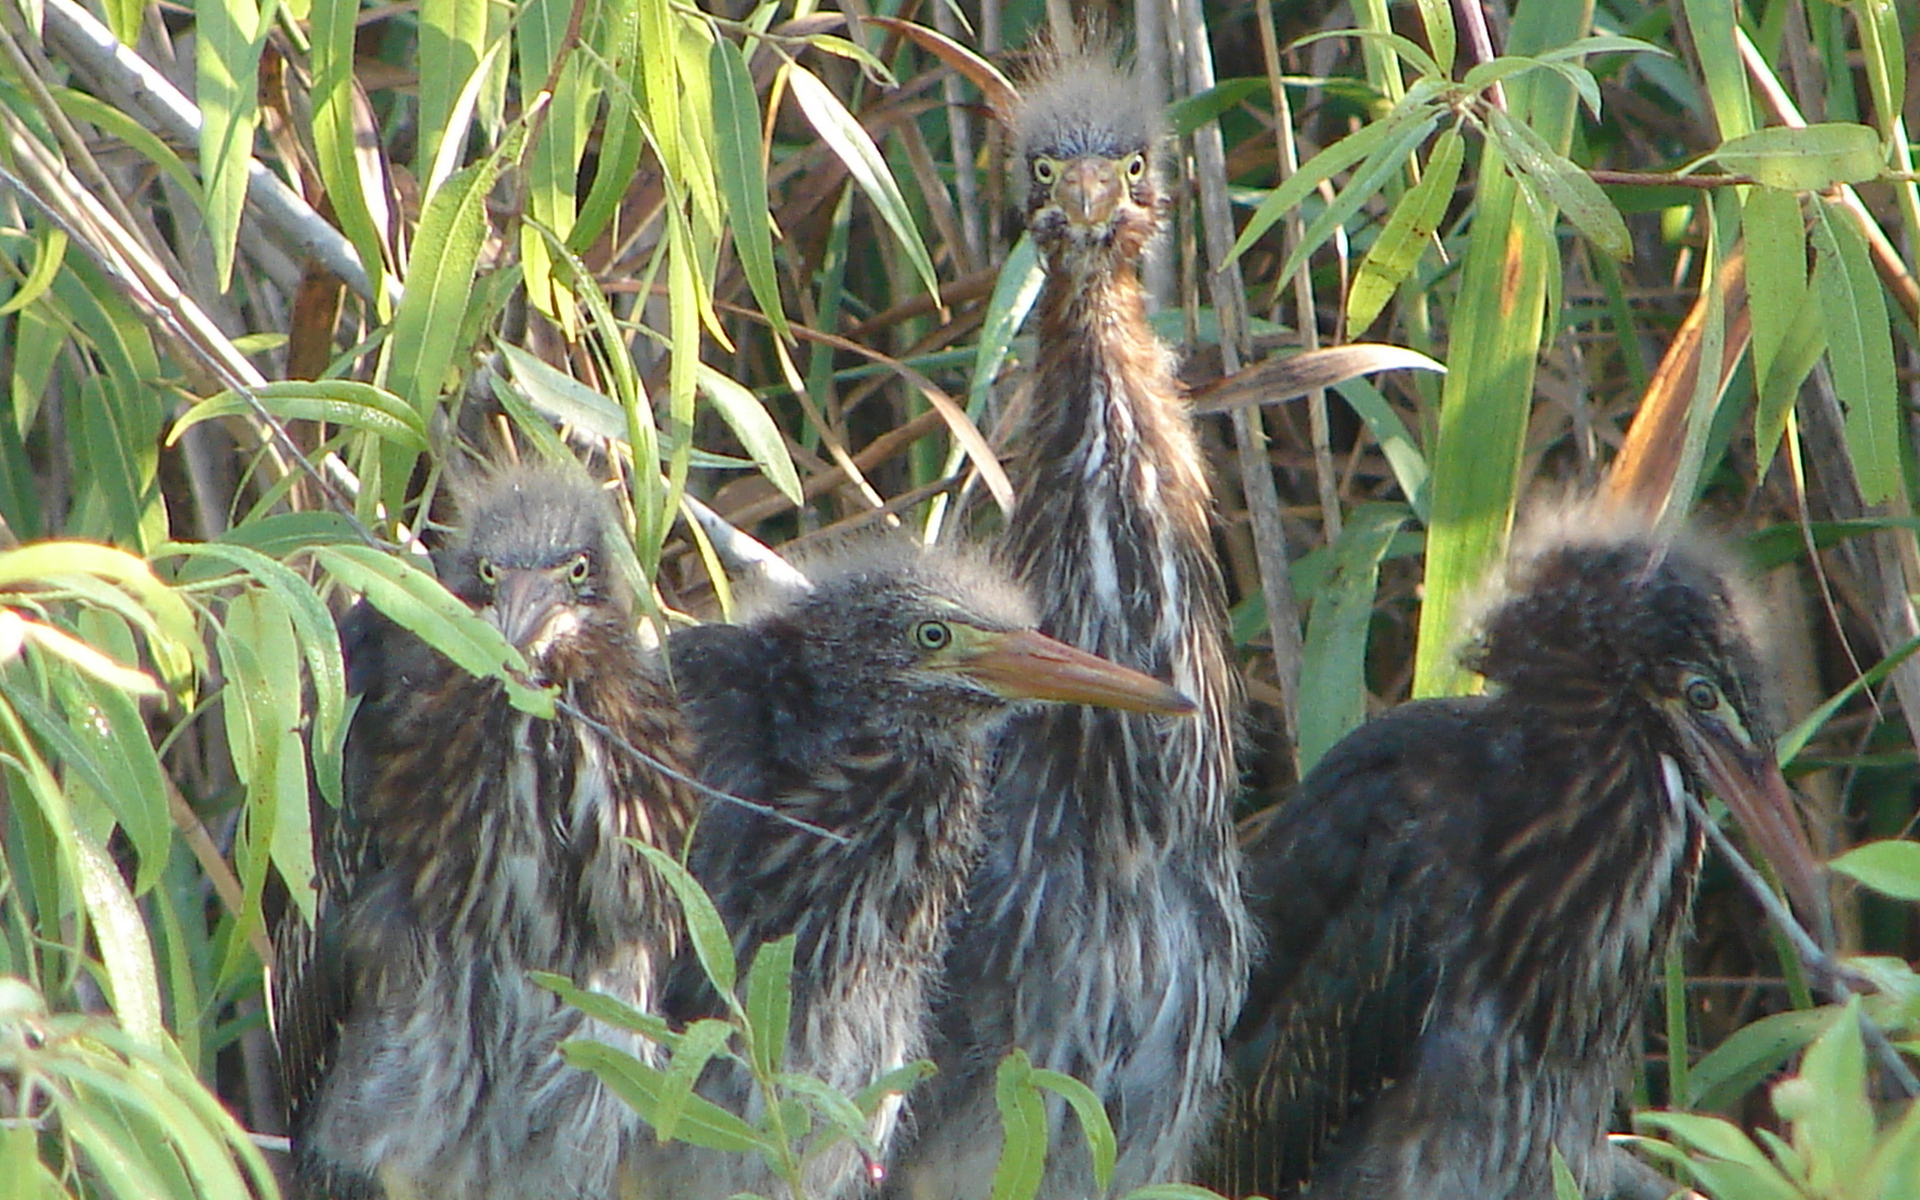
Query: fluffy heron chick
(1468,901)
(475,843)
(1104,932)
(860,707)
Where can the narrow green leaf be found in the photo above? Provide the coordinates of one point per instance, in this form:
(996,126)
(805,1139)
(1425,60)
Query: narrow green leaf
(606,1009)
(1367,180)
(229,36)
(702,1122)
(122,938)
(451,35)
(1333,685)
(840,1112)
(1563,183)
(1750,1054)
(1812,158)
(770,1002)
(1403,456)
(420,604)
(1776,238)
(340,401)
(692,1051)
(1407,233)
(1859,350)
(1023,1154)
(848,140)
(50,253)
(705,929)
(332,32)
(1828,1106)
(1436,17)
(743,180)
(1711,24)
(1565,1187)
(1363,143)
(756,429)
(1102,1147)
(1890,867)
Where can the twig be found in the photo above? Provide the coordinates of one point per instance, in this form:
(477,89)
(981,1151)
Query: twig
(1834,977)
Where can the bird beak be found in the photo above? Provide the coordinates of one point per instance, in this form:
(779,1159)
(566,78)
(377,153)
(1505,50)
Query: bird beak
(1024,665)
(1746,777)
(1088,192)
(530,608)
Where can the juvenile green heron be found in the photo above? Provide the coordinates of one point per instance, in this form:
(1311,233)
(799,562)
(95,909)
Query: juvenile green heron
(476,843)
(860,707)
(1468,901)
(1104,933)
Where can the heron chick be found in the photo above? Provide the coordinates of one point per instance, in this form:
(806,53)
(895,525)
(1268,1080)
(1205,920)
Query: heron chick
(475,843)
(859,708)
(1468,901)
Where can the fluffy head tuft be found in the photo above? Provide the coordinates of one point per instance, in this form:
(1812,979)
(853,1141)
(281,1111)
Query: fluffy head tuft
(531,517)
(1591,597)
(1083,103)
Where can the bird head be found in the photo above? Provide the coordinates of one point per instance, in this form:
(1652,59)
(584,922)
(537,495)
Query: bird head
(1087,136)
(942,638)
(534,556)
(1661,627)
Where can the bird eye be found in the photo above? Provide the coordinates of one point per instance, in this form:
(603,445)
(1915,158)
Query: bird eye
(484,569)
(932,635)
(579,568)
(1702,695)
(1136,167)
(1043,170)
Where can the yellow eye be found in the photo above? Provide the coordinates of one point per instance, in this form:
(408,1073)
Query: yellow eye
(579,568)
(484,569)
(1045,170)
(932,635)
(1136,167)
(1701,694)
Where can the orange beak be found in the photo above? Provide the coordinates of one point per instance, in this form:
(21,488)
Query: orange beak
(1747,778)
(1025,665)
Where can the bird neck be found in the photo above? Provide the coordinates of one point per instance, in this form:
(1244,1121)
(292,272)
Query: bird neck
(1113,504)
(876,902)
(1589,876)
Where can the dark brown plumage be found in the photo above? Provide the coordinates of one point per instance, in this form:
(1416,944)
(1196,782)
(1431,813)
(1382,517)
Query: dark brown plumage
(1104,932)
(1468,901)
(474,844)
(860,707)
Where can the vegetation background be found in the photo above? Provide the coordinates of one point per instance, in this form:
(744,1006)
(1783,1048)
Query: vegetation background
(268,266)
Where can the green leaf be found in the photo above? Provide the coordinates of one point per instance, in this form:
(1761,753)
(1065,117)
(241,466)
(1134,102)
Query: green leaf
(1407,233)
(1102,1147)
(1565,1187)
(1415,110)
(1828,1106)
(606,1009)
(1367,180)
(1014,291)
(1333,686)
(770,1002)
(1812,158)
(229,36)
(340,401)
(840,1112)
(704,927)
(692,1051)
(418,602)
(1890,867)
(756,429)
(1563,183)
(1859,350)
(1023,1154)
(1785,325)
(848,140)
(1403,456)
(1750,1054)
(743,180)
(701,1123)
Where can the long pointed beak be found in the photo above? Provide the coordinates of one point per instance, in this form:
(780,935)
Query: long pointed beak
(1088,192)
(1025,665)
(1747,778)
(526,603)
